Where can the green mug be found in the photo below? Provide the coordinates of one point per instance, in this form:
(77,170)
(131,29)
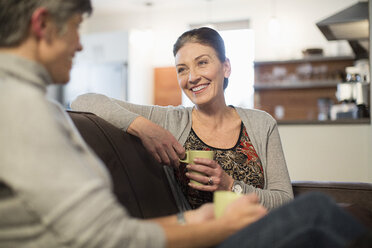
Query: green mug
(221,200)
(191,155)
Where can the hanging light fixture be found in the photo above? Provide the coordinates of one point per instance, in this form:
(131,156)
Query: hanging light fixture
(274,24)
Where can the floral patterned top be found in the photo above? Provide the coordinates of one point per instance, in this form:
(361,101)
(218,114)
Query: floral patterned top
(241,162)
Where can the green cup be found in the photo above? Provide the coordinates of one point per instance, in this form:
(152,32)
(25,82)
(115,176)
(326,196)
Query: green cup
(221,200)
(191,155)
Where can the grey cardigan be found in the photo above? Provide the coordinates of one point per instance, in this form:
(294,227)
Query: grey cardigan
(260,126)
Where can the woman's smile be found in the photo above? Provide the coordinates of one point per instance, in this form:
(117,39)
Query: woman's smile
(199,88)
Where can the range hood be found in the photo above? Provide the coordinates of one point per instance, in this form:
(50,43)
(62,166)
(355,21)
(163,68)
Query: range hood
(351,24)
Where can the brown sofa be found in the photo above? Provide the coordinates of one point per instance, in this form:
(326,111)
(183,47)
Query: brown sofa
(141,185)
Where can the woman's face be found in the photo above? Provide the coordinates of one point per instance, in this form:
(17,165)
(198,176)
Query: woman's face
(201,74)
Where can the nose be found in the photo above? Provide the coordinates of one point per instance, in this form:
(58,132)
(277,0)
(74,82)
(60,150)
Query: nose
(79,46)
(193,76)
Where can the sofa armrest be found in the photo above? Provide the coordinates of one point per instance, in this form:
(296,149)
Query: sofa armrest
(341,192)
(354,197)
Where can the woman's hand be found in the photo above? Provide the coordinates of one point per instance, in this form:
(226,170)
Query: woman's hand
(159,142)
(213,177)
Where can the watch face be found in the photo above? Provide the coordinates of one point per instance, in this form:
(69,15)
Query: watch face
(237,188)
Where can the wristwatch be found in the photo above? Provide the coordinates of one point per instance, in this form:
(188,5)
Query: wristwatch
(237,187)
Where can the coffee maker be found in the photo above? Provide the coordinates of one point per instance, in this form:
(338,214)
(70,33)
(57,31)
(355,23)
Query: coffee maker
(353,93)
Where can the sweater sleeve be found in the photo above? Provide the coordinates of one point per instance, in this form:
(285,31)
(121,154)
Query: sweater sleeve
(119,113)
(266,139)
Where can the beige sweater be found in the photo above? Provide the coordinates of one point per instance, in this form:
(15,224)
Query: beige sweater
(54,192)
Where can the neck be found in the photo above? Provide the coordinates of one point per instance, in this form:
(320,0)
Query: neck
(214,116)
(215,107)
(27,50)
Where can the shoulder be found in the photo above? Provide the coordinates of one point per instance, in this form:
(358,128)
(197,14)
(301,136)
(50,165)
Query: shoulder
(177,120)
(173,114)
(177,111)
(256,117)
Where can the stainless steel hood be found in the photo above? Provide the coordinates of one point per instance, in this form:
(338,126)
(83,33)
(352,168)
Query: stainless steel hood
(350,24)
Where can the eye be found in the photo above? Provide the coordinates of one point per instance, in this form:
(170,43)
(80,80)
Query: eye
(180,70)
(203,62)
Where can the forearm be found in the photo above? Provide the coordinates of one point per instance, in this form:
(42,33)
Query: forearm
(194,235)
(180,229)
(119,113)
(200,235)
(271,197)
(138,124)
(196,216)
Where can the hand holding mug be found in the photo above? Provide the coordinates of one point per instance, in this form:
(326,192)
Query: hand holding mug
(191,155)
(209,177)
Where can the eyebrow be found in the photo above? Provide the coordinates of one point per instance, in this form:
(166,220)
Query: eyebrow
(200,56)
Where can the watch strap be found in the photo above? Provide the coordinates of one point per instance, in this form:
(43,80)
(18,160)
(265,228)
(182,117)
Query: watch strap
(181,218)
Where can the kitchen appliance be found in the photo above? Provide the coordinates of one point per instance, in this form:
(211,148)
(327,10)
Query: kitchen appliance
(353,94)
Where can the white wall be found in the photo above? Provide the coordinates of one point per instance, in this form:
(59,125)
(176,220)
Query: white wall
(328,152)
(313,152)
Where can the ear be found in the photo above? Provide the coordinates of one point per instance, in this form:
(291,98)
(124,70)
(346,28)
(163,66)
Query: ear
(40,23)
(227,68)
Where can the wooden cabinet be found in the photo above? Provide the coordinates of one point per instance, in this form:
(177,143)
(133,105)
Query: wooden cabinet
(166,88)
(289,90)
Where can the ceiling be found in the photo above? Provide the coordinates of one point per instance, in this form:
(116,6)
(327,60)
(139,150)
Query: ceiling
(140,5)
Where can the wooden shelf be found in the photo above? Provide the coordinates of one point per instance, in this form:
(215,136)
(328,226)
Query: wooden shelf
(328,122)
(296,85)
(285,85)
(304,60)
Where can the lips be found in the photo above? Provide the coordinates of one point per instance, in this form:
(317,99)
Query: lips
(199,88)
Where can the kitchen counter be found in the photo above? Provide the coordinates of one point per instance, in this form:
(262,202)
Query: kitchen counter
(329,122)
